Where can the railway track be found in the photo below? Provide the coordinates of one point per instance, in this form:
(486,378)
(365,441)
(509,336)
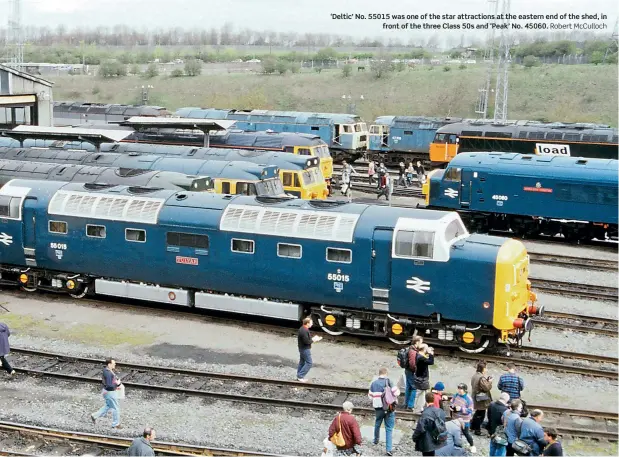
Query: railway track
(586,291)
(574,262)
(580,323)
(274,392)
(49,441)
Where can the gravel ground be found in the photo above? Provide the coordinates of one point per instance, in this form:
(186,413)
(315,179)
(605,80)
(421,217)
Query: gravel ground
(568,340)
(573,275)
(139,336)
(600,308)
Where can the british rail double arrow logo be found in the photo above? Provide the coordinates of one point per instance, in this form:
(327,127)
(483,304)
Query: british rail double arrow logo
(418,285)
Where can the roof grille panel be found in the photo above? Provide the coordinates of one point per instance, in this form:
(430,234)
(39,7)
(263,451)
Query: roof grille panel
(105,206)
(293,223)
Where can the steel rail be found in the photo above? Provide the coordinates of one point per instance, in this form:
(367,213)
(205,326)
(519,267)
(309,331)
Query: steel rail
(235,397)
(597,325)
(117,442)
(587,291)
(574,262)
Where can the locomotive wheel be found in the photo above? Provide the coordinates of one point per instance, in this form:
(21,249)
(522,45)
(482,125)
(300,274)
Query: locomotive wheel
(325,328)
(475,348)
(80,293)
(399,342)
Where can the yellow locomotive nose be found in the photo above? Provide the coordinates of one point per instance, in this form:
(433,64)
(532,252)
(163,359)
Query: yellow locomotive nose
(514,302)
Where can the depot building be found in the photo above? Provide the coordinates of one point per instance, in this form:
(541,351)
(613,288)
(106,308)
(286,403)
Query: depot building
(24,99)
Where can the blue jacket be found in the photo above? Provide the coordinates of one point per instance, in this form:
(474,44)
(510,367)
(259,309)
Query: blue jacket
(533,434)
(453,445)
(4,339)
(512,425)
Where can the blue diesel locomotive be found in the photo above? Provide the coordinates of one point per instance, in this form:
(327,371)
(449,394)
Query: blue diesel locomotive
(345,134)
(232,177)
(529,194)
(360,269)
(395,139)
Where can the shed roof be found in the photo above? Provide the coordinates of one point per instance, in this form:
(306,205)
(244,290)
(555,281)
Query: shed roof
(28,76)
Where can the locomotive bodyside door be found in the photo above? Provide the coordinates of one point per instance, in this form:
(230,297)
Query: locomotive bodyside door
(381,268)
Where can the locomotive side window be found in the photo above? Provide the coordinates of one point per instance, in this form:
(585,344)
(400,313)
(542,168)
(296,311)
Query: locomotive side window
(287,179)
(292,251)
(10,207)
(135,235)
(95,231)
(414,244)
(339,255)
(57,227)
(243,246)
(225,187)
(189,240)
(304,152)
(453,174)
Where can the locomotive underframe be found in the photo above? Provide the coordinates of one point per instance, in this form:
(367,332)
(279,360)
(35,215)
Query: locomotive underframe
(531,226)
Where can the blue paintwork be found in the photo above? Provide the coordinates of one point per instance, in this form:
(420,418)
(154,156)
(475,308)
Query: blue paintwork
(282,160)
(321,124)
(576,188)
(407,133)
(459,287)
(237,170)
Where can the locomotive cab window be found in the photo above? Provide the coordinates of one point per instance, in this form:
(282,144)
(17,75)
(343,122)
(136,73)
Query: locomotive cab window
(339,255)
(135,235)
(243,246)
(95,231)
(304,152)
(245,188)
(57,227)
(453,174)
(419,244)
(225,187)
(292,251)
(10,207)
(287,179)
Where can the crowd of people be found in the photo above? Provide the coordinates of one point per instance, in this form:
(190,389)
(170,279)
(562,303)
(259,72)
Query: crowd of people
(446,423)
(407,173)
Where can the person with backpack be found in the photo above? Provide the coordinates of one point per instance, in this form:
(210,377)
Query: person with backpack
(431,431)
(407,359)
(453,444)
(384,400)
(425,358)
(513,424)
(461,406)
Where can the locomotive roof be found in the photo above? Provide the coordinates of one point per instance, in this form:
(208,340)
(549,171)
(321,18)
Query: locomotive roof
(405,121)
(549,166)
(300,117)
(109,108)
(229,169)
(535,131)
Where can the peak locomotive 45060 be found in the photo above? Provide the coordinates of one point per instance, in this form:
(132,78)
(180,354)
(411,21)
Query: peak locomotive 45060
(360,269)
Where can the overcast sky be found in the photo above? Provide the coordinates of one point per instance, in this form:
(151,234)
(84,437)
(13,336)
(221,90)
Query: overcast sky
(303,16)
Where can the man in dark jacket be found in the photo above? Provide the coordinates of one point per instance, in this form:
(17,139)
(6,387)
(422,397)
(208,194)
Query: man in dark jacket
(110,384)
(141,446)
(304,341)
(5,348)
(425,434)
(495,412)
(409,396)
(347,424)
(425,358)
